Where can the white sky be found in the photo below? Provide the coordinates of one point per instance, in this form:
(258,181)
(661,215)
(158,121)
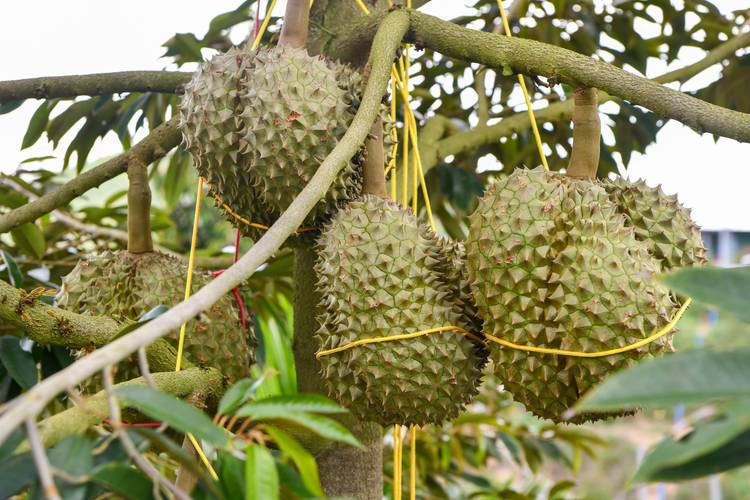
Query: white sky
(81,36)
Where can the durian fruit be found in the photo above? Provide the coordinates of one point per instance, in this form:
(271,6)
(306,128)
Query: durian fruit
(126,285)
(553,264)
(660,221)
(260,123)
(378,277)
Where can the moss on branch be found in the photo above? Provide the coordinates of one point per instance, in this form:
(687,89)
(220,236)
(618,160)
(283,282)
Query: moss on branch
(94,409)
(153,147)
(70,86)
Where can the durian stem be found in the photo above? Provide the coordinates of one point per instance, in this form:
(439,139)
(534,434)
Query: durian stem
(373,170)
(296,22)
(345,471)
(587,130)
(139,208)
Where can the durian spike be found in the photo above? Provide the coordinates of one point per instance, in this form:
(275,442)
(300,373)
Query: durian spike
(139,208)
(587,129)
(373,169)
(296,21)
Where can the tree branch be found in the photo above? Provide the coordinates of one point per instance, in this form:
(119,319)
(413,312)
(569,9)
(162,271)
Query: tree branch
(385,45)
(437,146)
(535,58)
(153,147)
(71,86)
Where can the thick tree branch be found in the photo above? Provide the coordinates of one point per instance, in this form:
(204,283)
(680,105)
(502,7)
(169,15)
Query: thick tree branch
(71,86)
(535,58)
(153,147)
(139,208)
(386,43)
(93,409)
(436,146)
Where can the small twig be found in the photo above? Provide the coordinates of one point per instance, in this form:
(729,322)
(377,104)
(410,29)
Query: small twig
(42,462)
(127,443)
(145,369)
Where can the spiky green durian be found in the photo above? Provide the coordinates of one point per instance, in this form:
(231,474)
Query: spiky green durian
(552,264)
(660,221)
(260,123)
(378,278)
(125,285)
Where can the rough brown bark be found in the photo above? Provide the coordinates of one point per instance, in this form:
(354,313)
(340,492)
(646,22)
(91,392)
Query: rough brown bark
(344,471)
(587,131)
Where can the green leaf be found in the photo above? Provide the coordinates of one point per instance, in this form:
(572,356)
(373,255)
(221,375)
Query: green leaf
(37,124)
(60,124)
(278,405)
(30,240)
(74,455)
(685,377)
(239,393)
(231,475)
(176,413)
(35,159)
(15,277)
(19,363)
(727,289)
(9,106)
(302,459)
(19,471)
(322,426)
(261,478)
(706,438)
(123,480)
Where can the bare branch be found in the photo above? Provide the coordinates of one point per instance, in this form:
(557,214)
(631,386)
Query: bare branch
(127,443)
(71,86)
(153,147)
(42,462)
(387,41)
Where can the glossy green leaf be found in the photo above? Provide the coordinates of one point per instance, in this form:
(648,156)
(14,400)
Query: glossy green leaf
(671,457)
(177,413)
(15,277)
(19,363)
(30,240)
(727,289)
(685,377)
(74,455)
(239,394)
(261,478)
(278,405)
(125,481)
(322,426)
(231,473)
(37,124)
(59,125)
(302,459)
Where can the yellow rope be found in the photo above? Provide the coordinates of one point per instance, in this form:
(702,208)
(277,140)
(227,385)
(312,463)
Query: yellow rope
(398,445)
(526,97)
(263,26)
(413,462)
(544,350)
(248,222)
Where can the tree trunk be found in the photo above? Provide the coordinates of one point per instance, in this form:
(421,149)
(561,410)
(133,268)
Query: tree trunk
(344,471)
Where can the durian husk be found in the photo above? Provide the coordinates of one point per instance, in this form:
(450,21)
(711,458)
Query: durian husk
(379,277)
(125,286)
(553,264)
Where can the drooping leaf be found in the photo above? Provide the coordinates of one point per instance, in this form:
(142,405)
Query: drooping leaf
(231,473)
(277,405)
(74,455)
(239,394)
(261,478)
(37,124)
(322,426)
(15,277)
(30,240)
(727,289)
(176,413)
(686,377)
(123,480)
(19,363)
(302,459)
(18,472)
(671,458)
(8,106)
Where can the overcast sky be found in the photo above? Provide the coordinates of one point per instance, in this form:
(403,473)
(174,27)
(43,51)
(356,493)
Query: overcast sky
(80,36)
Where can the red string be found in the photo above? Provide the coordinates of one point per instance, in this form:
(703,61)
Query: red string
(235,291)
(257,18)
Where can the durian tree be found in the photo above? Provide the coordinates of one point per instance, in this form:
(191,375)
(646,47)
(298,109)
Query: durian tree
(292,139)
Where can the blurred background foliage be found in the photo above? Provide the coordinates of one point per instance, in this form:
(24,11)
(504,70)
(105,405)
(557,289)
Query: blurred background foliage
(496,450)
